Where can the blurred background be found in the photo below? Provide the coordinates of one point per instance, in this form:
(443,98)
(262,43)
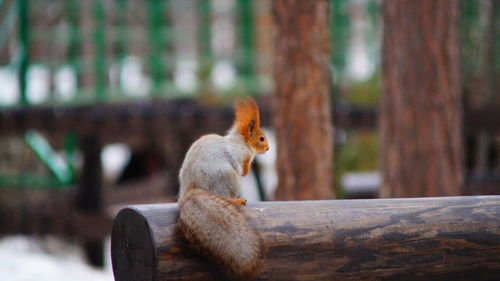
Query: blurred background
(100,100)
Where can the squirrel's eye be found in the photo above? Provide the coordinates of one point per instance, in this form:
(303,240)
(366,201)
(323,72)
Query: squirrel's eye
(261,138)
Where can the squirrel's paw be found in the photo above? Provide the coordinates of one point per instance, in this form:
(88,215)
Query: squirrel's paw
(241,201)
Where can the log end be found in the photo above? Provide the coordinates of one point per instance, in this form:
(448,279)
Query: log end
(132,247)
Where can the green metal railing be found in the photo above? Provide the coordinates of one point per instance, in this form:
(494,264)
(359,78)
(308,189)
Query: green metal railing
(94,38)
(339,31)
(62,169)
(100,50)
(157,36)
(99,35)
(24,40)
(118,28)
(246,32)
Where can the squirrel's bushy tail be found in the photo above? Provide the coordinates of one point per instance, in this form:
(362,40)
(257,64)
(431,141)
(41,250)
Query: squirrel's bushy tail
(219,229)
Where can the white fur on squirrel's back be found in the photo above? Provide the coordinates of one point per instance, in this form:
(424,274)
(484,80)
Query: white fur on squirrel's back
(218,228)
(214,163)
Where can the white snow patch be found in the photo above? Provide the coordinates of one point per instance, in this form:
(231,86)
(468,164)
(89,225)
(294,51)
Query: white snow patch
(37,84)
(9,89)
(114,157)
(361,181)
(223,74)
(65,83)
(133,80)
(25,258)
(185,75)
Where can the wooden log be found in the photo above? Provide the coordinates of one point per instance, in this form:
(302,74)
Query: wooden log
(448,238)
(124,122)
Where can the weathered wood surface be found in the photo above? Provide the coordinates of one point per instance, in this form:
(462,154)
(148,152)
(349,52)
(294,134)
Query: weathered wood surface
(449,238)
(125,121)
(117,122)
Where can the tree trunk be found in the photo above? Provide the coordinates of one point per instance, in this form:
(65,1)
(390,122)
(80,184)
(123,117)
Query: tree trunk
(302,108)
(421,114)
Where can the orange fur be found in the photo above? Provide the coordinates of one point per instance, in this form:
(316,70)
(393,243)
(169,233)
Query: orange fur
(241,201)
(247,112)
(211,217)
(247,122)
(246,167)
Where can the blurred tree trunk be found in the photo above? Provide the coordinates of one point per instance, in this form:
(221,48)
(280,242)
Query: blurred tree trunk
(421,114)
(302,107)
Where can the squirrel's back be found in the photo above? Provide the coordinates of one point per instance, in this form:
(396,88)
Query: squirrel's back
(219,229)
(212,164)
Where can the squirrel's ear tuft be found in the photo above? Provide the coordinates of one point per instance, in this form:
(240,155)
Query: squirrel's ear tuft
(247,117)
(251,125)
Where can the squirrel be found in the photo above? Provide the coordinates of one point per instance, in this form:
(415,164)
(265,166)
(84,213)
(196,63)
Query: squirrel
(211,216)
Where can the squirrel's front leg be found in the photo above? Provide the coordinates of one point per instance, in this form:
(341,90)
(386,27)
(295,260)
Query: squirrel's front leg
(246,166)
(241,201)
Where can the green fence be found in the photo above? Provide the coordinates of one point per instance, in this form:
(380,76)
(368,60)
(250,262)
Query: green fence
(90,51)
(95,51)
(103,51)
(97,46)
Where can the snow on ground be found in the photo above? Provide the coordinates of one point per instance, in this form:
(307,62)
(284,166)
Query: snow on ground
(361,182)
(24,258)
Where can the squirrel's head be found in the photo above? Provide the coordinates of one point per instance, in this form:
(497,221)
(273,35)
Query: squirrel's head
(247,123)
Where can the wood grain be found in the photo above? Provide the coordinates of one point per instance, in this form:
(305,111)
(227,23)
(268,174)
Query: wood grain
(448,238)
(421,114)
(301,105)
